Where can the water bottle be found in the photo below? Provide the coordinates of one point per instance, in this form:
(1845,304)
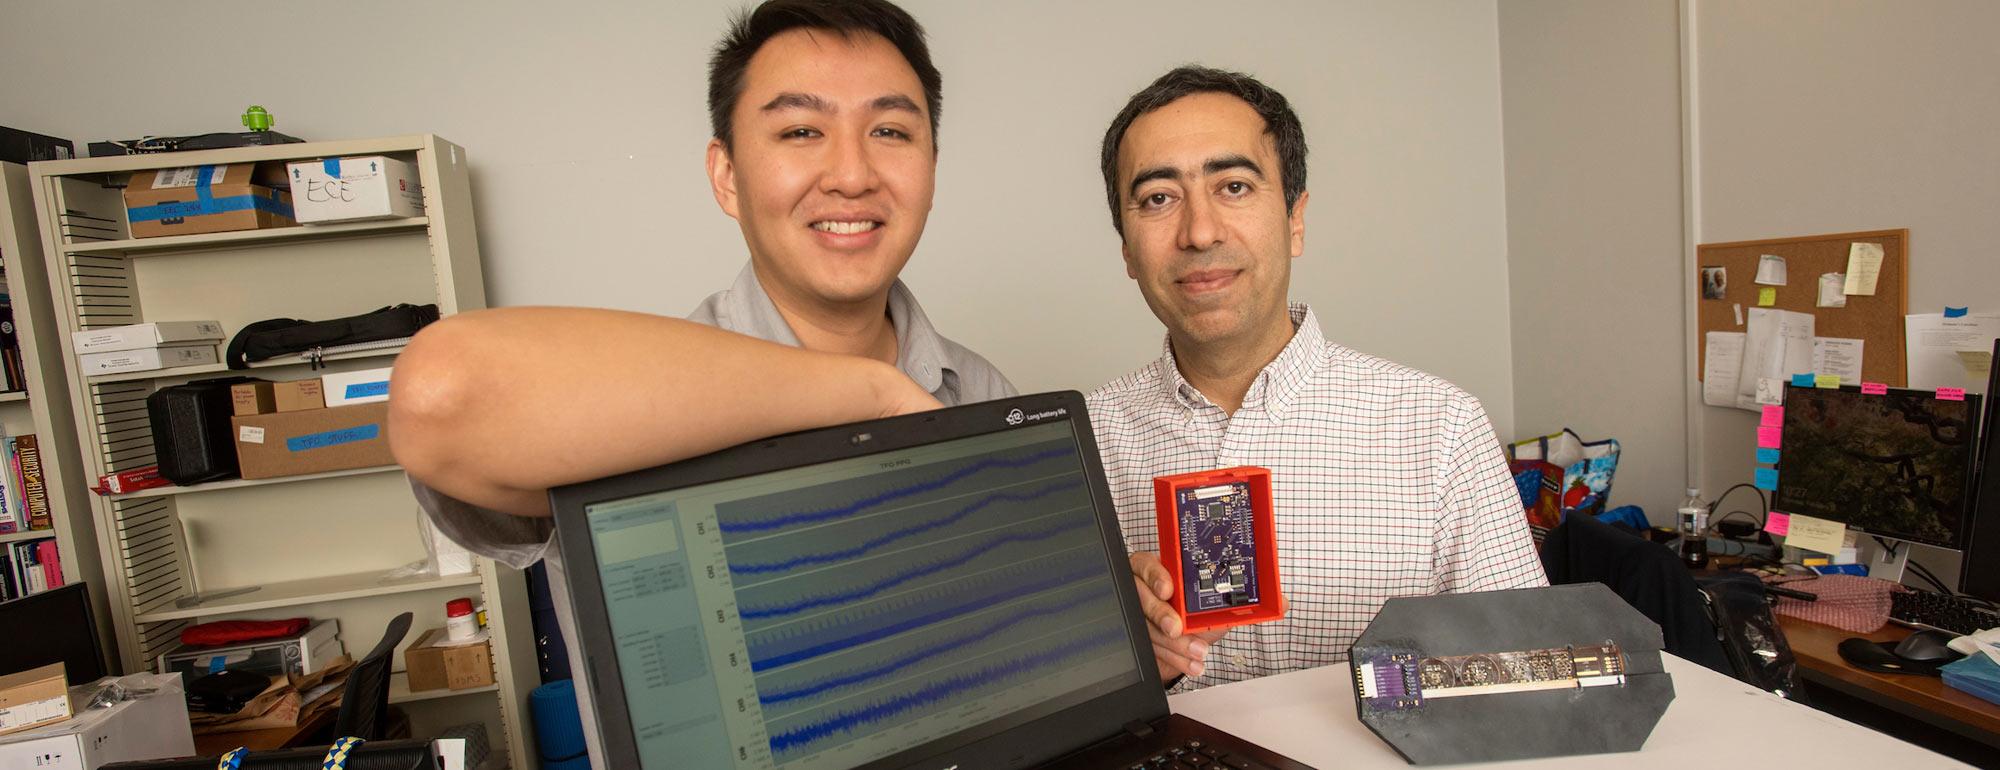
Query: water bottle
(1694,530)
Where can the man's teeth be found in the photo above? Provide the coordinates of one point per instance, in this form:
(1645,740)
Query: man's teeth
(844,228)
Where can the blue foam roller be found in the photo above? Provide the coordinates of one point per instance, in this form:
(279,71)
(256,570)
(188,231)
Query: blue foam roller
(558,728)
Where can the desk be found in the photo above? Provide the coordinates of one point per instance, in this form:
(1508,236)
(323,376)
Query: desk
(1924,698)
(1309,715)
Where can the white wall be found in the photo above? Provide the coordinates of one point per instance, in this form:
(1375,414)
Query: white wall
(585,124)
(1821,117)
(1591,98)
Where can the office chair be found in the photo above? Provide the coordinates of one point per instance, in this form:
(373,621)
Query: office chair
(1647,576)
(364,701)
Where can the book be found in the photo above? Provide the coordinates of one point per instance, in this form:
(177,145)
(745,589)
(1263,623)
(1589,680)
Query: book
(11,519)
(33,491)
(51,561)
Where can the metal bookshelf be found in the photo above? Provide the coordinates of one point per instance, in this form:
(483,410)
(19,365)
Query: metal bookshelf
(315,545)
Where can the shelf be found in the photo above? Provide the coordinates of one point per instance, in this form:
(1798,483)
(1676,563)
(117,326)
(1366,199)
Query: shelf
(223,368)
(32,534)
(292,593)
(399,690)
(13,396)
(293,234)
(216,486)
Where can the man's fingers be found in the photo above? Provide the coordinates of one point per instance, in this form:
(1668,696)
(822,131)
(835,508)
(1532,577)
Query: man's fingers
(1174,664)
(1164,618)
(1146,568)
(1187,646)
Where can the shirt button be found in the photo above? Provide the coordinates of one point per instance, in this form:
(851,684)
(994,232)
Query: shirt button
(1239,661)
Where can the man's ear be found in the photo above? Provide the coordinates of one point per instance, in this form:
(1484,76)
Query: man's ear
(1298,223)
(722,177)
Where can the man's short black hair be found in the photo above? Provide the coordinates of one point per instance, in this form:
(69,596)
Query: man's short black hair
(1279,121)
(750,28)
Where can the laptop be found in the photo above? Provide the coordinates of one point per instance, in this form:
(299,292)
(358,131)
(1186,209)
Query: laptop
(938,590)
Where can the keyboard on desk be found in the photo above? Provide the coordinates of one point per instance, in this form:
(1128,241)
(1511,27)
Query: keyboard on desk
(1935,610)
(1178,743)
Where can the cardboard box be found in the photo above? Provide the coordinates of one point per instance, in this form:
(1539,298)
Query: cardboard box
(252,398)
(205,199)
(32,698)
(306,653)
(147,335)
(147,359)
(297,395)
(367,386)
(434,667)
(312,441)
(152,726)
(348,189)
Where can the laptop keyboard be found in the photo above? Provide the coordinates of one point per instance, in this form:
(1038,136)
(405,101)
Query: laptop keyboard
(1198,755)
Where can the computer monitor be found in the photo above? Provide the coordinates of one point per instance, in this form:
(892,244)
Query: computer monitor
(1979,571)
(58,626)
(1898,465)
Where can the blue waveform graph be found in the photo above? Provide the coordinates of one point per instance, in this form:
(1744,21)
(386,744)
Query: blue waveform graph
(899,534)
(751,516)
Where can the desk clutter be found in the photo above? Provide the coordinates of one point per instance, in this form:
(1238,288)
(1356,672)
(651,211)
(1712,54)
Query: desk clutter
(229,197)
(115,719)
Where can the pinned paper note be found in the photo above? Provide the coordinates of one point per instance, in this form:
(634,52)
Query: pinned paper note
(1767,296)
(1739,312)
(1838,356)
(1721,367)
(1767,456)
(1770,438)
(1777,523)
(1802,380)
(1832,290)
(1771,270)
(1978,363)
(1714,282)
(1874,389)
(1826,381)
(1774,416)
(1864,266)
(1767,479)
(1817,535)
(1770,391)
(1951,394)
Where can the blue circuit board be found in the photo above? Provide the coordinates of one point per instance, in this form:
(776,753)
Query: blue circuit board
(1218,546)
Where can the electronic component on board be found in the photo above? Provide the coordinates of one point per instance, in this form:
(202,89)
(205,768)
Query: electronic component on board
(1218,543)
(1396,681)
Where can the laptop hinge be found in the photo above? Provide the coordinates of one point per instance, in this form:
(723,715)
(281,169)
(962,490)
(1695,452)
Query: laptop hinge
(1138,729)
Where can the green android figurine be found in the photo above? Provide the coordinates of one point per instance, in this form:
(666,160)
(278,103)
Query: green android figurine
(257,119)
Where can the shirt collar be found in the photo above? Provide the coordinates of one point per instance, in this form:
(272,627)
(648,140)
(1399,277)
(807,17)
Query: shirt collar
(920,352)
(1278,386)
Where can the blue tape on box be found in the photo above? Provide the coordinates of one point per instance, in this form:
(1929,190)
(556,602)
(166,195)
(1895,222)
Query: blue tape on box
(333,437)
(366,389)
(195,208)
(331,166)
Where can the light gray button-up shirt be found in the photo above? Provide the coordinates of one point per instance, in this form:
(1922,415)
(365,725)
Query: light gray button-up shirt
(950,371)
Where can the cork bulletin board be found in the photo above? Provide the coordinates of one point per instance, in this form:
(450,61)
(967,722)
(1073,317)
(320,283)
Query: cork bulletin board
(1876,318)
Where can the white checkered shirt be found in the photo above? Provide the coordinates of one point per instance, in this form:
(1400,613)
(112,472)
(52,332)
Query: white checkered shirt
(1386,482)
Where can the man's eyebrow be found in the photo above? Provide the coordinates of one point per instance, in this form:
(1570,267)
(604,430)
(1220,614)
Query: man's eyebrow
(1157,172)
(1227,162)
(791,100)
(896,102)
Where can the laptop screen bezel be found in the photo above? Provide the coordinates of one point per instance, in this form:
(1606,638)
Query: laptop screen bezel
(1016,740)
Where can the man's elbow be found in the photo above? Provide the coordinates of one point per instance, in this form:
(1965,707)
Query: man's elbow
(431,416)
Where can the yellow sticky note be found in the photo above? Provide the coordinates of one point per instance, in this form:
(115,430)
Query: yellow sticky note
(1767,297)
(1826,380)
(1817,535)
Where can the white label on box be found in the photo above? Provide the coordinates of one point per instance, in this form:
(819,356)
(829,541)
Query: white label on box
(195,355)
(176,177)
(250,434)
(98,339)
(39,711)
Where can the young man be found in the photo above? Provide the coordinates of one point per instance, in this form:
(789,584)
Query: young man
(1388,481)
(825,120)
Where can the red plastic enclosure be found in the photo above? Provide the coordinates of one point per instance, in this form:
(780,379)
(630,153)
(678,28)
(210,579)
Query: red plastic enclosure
(1270,604)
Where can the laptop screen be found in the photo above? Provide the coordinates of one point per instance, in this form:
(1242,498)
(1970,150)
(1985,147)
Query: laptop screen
(829,615)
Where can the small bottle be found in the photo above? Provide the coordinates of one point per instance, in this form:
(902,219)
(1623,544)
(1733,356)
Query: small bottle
(1694,530)
(458,622)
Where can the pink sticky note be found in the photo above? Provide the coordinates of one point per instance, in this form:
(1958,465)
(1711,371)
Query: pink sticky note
(1951,394)
(1777,524)
(1874,389)
(1774,416)
(1769,438)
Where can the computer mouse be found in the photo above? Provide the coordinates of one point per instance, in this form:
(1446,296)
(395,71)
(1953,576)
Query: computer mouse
(1927,645)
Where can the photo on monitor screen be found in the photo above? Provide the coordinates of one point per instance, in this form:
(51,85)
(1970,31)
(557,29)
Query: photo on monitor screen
(1896,465)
